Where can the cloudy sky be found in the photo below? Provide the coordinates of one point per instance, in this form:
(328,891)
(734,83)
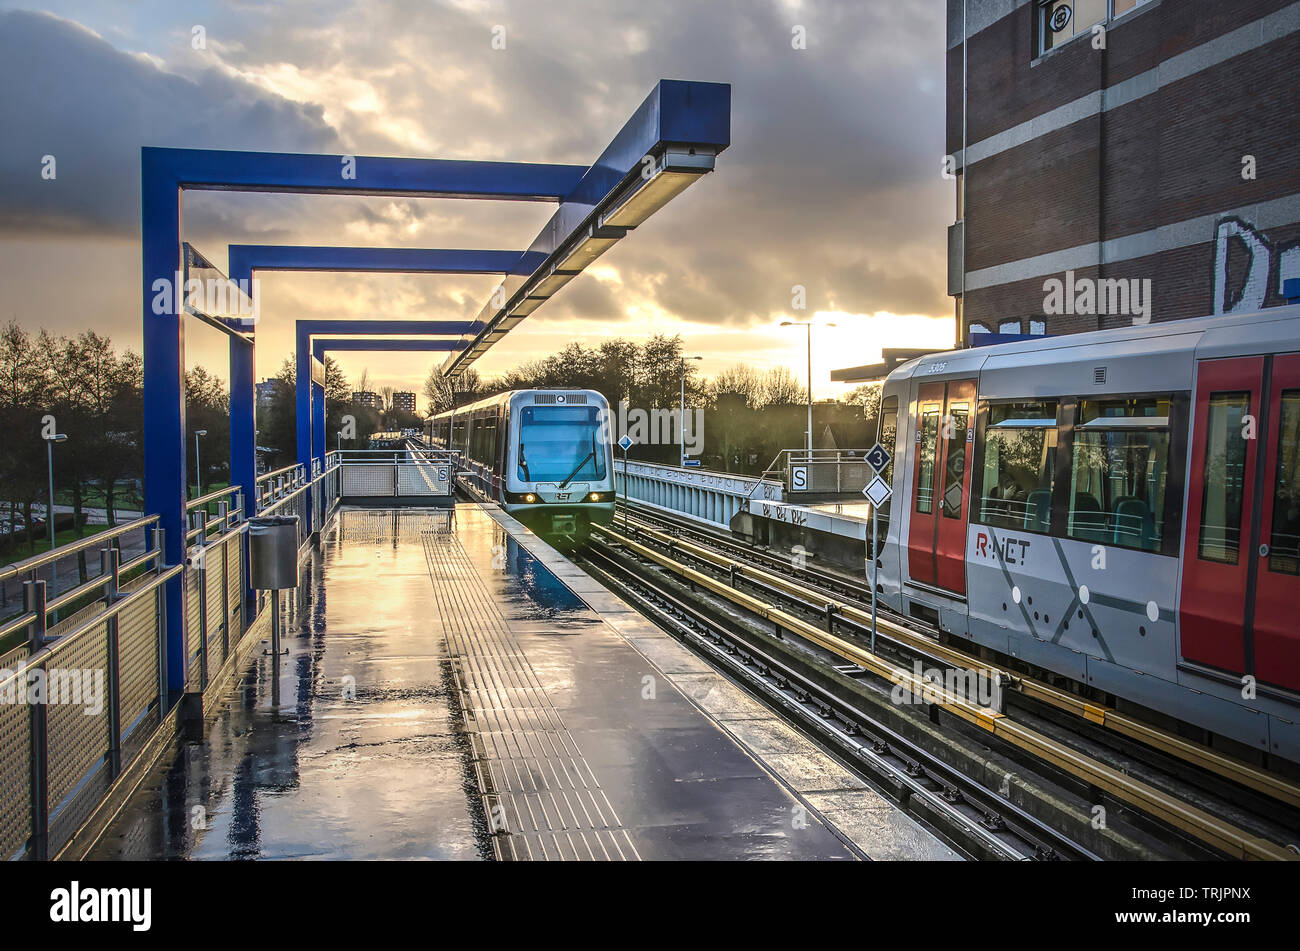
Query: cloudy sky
(831,182)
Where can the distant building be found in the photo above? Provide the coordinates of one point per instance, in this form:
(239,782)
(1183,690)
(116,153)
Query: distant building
(1120,161)
(366,398)
(404,402)
(267,391)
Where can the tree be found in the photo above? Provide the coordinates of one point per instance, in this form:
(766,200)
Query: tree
(442,392)
(780,388)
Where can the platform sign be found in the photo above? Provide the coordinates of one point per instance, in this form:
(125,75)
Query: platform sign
(878,458)
(798,478)
(625,443)
(691,463)
(878,492)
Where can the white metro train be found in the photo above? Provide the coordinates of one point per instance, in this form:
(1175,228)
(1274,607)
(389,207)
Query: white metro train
(1119,507)
(545,456)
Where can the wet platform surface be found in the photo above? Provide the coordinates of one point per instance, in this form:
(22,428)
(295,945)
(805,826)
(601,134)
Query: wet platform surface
(451,693)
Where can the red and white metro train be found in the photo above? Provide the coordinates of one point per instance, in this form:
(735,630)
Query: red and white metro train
(1119,507)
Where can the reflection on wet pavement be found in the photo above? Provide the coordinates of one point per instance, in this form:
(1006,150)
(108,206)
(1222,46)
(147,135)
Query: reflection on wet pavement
(561,748)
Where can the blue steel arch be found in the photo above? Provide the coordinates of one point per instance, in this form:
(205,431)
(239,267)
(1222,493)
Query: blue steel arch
(677,118)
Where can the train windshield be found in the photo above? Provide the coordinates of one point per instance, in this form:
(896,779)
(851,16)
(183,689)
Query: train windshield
(560,444)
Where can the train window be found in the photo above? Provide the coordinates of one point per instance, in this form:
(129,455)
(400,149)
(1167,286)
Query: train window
(1019,466)
(956,426)
(887,437)
(483,444)
(928,447)
(1119,468)
(1224,478)
(1284,541)
(560,443)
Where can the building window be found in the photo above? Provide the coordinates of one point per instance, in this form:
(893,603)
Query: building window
(961,192)
(1059,21)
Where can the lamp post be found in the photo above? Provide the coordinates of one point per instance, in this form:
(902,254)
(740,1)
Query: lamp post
(807,325)
(50,440)
(681,420)
(198,467)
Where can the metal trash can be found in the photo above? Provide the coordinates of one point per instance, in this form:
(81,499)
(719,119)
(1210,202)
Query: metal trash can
(273,552)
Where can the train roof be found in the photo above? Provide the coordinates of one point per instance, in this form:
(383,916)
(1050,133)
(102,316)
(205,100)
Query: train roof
(512,394)
(1175,342)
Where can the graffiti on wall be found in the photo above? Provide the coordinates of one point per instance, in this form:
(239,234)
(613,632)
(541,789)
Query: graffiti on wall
(1249,268)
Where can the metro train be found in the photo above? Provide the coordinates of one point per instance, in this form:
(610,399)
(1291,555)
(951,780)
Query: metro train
(1121,508)
(546,456)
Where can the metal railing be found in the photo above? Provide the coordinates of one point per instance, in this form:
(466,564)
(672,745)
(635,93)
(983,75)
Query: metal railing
(821,471)
(408,473)
(79,707)
(702,494)
(85,691)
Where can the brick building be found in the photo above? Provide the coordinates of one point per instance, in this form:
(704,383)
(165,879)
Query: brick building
(366,398)
(1107,142)
(404,402)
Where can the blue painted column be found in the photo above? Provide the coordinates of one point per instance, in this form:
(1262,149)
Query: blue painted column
(164,389)
(318,430)
(302,414)
(243,440)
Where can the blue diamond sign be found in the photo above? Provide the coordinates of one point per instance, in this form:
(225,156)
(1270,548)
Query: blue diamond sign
(626,442)
(878,458)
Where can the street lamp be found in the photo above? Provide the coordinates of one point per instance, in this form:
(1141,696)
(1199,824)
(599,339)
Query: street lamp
(681,420)
(198,468)
(807,324)
(50,440)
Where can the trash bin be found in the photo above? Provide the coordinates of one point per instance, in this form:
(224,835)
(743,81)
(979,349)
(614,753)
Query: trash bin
(273,552)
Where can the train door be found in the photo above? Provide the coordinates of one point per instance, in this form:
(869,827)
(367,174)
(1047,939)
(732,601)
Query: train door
(936,542)
(1241,555)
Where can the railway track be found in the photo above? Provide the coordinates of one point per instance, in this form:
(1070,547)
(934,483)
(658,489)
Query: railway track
(908,633)
(822,611)
(977,822)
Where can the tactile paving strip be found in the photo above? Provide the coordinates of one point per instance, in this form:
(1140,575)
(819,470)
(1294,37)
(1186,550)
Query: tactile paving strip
(540,796)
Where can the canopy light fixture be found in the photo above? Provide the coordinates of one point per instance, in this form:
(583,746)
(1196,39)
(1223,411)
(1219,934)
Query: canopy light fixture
(674,172)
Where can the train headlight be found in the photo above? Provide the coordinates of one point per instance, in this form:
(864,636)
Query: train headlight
(530,497)
(595,497)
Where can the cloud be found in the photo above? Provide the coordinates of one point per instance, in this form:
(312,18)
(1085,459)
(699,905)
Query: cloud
(72,95)
(832,181)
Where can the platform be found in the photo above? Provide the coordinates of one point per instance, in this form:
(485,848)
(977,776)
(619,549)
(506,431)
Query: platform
(456,689)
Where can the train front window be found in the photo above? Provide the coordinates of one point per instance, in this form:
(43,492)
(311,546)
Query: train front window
(1118,470)
(560,443)
(1284,543)
(1019,466)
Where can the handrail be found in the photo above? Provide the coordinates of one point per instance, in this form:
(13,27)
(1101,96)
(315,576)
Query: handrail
(216,495)
(72,548)
(266,476)
(112,610)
